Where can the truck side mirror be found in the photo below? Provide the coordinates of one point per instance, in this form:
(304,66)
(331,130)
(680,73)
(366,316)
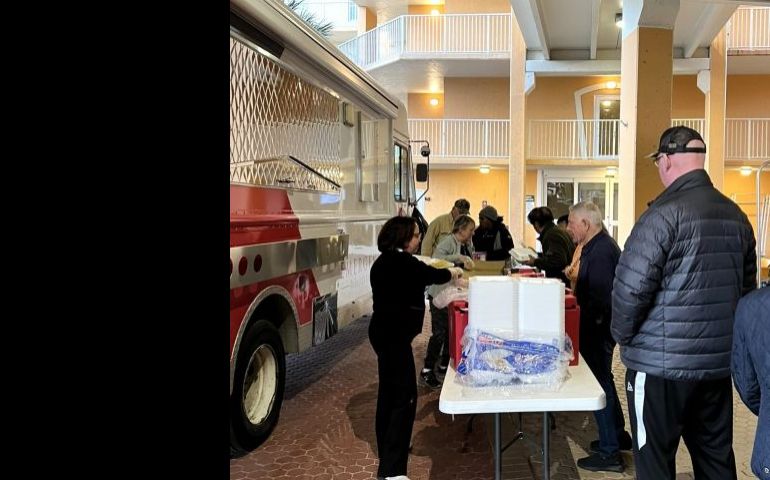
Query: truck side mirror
(422,172)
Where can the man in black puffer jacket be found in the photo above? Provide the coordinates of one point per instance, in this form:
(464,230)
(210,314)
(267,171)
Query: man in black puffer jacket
(687,262)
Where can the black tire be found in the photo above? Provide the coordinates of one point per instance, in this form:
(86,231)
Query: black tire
(260,370)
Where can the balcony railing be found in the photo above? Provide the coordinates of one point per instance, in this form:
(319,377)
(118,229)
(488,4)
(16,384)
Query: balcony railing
(745,138)
(416,36)
(748,30)
(459,138)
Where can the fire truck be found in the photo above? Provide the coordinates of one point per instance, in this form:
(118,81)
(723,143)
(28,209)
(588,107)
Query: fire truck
(319,160)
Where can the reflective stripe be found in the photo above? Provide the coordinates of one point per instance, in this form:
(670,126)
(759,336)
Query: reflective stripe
(641,433)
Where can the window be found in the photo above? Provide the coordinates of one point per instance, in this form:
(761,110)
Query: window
(401,173)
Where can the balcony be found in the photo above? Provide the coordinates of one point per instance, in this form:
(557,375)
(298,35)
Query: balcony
(473,141)
(748,31)
(432,36)
(427,47)
(464,141)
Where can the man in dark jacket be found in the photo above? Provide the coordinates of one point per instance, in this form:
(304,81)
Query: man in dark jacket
(593,290)
(492,236)
(687,262)
(557,246)
(751,370)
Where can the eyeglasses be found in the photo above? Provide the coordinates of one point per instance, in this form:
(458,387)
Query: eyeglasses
(657,159)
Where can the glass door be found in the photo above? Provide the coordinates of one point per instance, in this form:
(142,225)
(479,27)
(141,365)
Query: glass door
(563,192)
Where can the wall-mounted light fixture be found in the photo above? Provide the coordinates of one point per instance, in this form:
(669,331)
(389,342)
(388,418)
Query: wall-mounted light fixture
(612,85)
(746,171)
(619,19)
(435,12)
(484,169)
(606,103)
(433,102)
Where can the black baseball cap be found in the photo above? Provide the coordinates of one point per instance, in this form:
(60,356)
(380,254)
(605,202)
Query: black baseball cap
(675,140)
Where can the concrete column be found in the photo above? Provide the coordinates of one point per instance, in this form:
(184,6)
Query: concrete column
(716,103)
(367,20)
(645,103)
(517,164)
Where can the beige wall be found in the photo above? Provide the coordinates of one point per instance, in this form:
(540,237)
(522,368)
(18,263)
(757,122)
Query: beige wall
(424,9)
(743,191)
(554,97)
(748,96)
(476,97)
(477,6)
(446,186)
(420,107)
(687,101)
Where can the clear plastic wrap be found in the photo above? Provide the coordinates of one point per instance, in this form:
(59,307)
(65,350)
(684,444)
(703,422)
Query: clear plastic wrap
(501,358)
(450,294)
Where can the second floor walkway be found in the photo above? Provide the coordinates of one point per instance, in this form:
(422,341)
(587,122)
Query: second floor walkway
(459,141)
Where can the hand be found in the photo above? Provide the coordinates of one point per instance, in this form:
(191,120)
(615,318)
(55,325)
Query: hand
(530,261)
(467,263)
(456,272)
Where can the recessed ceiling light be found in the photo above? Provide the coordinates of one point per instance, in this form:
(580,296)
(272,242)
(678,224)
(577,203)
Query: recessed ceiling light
(484,169)
(745,171)
(433,102)
(435,12)
(612,85)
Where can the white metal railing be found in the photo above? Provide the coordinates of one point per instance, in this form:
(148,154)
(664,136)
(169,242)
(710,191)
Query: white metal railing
(749,29)
(747,138)
(415,35)
(573,139)
(697,124)
(461,138)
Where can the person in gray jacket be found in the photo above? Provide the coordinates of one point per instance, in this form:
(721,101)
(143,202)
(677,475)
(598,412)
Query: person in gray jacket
(686,264)
(458,248)
(751,370)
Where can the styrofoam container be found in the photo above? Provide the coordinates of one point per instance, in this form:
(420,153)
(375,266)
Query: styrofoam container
(492,303)
(541,306)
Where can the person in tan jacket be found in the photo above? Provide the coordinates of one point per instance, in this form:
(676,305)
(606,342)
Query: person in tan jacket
(442,225)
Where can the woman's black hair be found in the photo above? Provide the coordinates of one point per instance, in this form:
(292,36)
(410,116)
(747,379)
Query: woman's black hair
(540,216)
(396,233)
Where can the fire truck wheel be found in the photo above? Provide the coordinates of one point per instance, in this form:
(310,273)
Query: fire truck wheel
(255,403)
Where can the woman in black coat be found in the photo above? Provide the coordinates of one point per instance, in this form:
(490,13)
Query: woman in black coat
(398,282)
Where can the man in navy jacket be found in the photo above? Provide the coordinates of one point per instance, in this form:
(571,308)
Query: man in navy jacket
(593,290)
(751,370)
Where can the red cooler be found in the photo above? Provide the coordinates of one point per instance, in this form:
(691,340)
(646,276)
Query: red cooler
(572,323)
(458,320)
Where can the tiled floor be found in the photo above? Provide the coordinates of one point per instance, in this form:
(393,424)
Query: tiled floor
(326,429)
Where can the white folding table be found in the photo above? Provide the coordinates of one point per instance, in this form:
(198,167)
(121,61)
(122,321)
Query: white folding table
(580,392)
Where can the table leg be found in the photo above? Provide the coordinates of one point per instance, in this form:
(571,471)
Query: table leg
(546,447)
(498,454)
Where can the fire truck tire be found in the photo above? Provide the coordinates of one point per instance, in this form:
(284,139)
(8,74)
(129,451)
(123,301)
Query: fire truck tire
(258,383)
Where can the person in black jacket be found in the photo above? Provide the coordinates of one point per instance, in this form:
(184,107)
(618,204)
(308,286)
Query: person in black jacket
(686,264)
(557,246)
(398,282)
(492,236)
(751,370)
(598,259)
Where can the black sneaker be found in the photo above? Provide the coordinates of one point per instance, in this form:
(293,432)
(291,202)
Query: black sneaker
(429,379)
(598,463)
(624,440)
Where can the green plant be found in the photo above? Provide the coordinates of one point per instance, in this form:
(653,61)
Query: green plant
(318,24)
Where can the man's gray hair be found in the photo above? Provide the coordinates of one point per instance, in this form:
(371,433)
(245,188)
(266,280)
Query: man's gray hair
(590,211)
